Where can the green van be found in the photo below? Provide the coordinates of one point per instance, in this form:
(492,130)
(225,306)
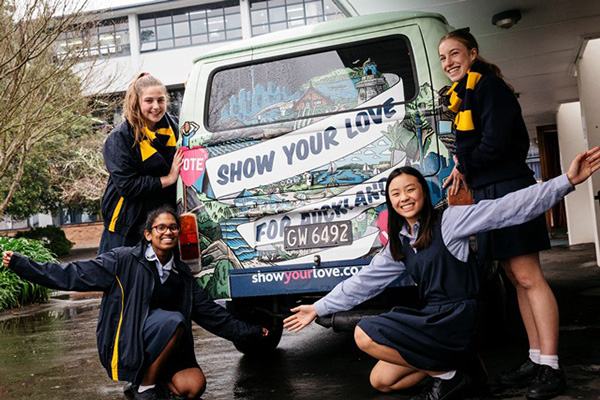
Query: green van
(289,138)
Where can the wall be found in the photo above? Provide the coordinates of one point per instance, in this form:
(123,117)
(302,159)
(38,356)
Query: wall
(571,142)
(589,87)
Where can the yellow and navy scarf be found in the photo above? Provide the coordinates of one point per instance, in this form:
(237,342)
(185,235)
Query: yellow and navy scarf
(163,141)
(461,98)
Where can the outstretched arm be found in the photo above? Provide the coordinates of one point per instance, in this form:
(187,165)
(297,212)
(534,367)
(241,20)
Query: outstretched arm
(81,276)
(367,283)
(515,208)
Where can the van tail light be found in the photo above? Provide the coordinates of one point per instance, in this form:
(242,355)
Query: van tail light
(189,244)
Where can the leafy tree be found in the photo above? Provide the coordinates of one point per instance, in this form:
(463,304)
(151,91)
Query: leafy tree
(44,107)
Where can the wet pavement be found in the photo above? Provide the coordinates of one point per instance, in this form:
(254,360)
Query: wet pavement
(49,351)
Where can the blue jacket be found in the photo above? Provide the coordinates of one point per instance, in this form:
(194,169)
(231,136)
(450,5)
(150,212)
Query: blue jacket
(127,280)
(134,186)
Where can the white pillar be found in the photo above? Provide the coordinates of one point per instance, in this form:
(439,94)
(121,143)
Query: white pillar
(134,41)
(588,81)
(246,21)
(571,141)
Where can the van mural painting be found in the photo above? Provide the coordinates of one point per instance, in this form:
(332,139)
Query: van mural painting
(291,162)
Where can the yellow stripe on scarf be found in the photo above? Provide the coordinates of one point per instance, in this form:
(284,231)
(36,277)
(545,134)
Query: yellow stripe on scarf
(464,121)
(455,101)
(146,149)
(145,145)
(472,79)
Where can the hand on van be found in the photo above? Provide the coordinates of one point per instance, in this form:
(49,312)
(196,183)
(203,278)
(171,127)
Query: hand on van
(175,167)
(457,180)
(303,315)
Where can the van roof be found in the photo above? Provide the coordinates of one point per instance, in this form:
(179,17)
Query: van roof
(321,29)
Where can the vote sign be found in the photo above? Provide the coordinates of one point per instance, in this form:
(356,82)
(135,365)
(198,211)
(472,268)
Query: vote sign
(193,164)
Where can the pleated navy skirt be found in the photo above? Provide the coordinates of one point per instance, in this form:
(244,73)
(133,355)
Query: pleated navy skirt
(159,328)
(530,237)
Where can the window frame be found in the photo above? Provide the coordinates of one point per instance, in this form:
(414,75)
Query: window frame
(190,16)
(333,47)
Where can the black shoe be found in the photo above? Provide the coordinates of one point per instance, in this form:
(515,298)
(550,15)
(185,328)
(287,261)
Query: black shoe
(520,376)
(445,389)
(150,394)
(476,373)
(549,383)
(129,390)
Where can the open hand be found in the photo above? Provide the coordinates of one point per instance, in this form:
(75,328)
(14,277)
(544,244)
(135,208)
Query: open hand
(171,178)
(6,256)
(584,165)
(303,316)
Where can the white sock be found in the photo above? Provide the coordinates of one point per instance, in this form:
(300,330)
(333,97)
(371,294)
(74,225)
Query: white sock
(551,361)
(144,388)
(446,376)
(534,355)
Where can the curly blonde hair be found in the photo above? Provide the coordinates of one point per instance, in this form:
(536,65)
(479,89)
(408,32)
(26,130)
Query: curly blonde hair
(131,104)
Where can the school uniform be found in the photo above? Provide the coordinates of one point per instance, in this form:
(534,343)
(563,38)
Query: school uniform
(134,187)
(132,330)
(492,143)
(439,336)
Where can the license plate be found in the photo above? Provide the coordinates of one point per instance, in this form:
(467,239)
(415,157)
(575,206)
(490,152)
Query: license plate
(317,235)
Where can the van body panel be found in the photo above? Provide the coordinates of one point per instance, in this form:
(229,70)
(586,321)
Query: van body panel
(289,140)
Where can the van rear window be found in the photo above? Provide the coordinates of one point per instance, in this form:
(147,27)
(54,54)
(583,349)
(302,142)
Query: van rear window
(298,89)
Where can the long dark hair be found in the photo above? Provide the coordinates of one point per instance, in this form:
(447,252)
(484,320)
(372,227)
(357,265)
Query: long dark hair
(152,215)
(427,216)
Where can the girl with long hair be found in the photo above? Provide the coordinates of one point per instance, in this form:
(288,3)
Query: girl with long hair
(433,249)
(142,161)
(492,143)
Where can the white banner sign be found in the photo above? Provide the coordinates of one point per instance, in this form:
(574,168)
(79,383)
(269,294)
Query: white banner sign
(305,149)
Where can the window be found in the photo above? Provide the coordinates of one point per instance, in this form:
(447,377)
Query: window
(306,87)
(275,15)
(190,26)
(106,38)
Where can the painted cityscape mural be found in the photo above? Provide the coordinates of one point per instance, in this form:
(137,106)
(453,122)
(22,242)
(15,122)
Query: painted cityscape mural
(317,149)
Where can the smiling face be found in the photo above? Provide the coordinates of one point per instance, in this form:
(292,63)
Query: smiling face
(153,105)
(407,198)
(162,243)
(456,59)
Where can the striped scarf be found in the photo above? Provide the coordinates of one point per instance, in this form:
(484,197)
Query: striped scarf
(461,98)
(163,141)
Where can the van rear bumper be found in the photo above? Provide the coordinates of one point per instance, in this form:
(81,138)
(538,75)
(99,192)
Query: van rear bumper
(291,279)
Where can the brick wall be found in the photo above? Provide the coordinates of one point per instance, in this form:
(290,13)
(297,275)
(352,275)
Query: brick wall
(84,235)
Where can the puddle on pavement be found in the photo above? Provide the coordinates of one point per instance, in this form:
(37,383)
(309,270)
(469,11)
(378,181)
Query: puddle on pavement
(52,355)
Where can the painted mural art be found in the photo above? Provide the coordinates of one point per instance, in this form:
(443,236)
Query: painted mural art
(281,154)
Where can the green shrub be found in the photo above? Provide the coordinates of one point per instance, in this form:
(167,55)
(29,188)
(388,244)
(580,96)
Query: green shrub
(52,237)
(14,291)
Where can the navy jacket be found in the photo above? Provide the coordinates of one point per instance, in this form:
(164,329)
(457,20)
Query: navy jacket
(497,150)
(127,280)
(134,187)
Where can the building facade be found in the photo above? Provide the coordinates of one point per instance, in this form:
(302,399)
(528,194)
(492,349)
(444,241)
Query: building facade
(163,38)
